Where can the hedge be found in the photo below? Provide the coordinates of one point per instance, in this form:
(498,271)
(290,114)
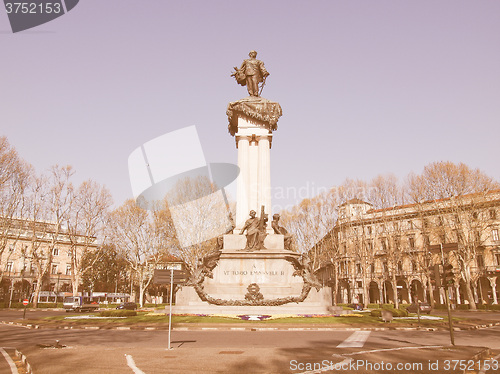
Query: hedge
(117,313)
(395,312)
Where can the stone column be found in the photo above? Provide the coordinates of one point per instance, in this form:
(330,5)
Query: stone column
(264,176)
(253,171)
(242,192)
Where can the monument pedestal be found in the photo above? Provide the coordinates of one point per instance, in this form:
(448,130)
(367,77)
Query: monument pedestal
(271,269)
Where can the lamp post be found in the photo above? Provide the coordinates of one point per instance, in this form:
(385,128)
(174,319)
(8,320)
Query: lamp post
(11,288)
(445,286)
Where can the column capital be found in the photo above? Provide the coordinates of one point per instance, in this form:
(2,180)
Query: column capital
(268,137)
(237,138)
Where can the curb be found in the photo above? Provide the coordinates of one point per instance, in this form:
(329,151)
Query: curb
(249,328)
(24,360)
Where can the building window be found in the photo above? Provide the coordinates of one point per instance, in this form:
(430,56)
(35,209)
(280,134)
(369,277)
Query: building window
(53,269)
(411,242)
(400,267)
(494,234)
(477,236)
(55,252)
(369,245)
(426,241)
(384,244)
(493,214)
(413,266)
(358,268)
(372,266)
(480,261)
(68,269)
(10,267)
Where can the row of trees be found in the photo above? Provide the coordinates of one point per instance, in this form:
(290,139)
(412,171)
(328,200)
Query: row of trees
(44,210)
(49,209)
(313,219)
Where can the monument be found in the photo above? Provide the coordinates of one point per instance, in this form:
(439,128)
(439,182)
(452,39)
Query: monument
(254,270)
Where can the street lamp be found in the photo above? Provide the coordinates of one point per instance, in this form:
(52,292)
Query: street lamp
(11,287)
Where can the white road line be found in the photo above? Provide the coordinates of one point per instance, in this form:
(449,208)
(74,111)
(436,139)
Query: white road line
(392,349)
(131,364)
(11,363)
(357,339)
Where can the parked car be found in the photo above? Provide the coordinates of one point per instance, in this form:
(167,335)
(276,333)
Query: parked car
(424,308)
(128,305)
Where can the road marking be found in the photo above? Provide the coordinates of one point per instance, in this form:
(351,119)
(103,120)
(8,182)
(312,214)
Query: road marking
(131,364)
(392,349)
(356,340)
(11,363)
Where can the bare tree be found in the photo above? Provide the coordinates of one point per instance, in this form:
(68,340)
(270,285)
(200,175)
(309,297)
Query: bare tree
(141,237)
(86,221)
(309,222)
(458,195)
(14,178)
(200,213)
(48,212)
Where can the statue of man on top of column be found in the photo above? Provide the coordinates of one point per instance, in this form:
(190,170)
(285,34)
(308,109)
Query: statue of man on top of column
(250,74)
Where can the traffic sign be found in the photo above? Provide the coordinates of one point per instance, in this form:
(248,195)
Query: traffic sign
(163,276)
(25,302)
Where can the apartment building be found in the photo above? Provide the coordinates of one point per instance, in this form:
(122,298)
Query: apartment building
(389,255)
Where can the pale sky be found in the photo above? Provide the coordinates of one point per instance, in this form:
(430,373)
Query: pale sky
(367,87)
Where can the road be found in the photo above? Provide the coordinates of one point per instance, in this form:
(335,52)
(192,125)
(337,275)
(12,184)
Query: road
(136,351)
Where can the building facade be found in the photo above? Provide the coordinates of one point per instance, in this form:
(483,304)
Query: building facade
(390,255)
(30,246)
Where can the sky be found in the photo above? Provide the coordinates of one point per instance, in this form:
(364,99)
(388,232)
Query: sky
(367,87)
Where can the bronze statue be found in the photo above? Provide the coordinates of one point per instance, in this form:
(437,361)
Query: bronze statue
(252,228)
(281,230)
(303,268)
(230,229)
(250,74)
(262,230)
(256,231)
